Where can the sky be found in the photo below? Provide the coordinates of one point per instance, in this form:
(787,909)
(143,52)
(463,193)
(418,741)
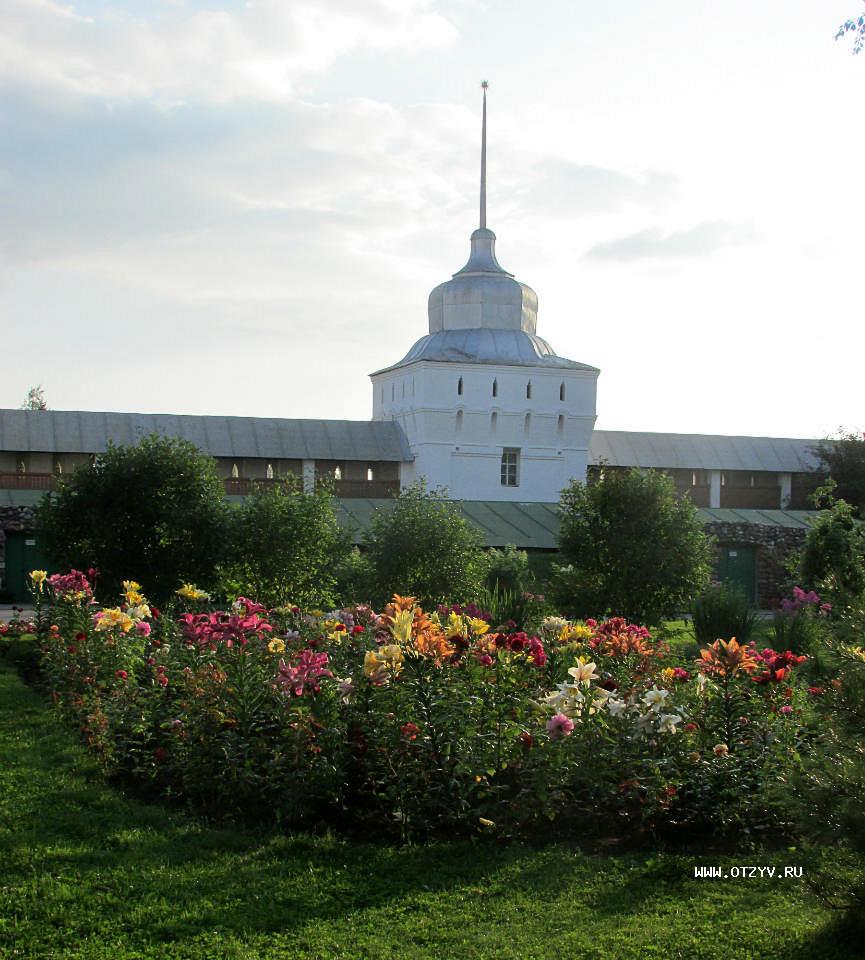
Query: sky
(240,208)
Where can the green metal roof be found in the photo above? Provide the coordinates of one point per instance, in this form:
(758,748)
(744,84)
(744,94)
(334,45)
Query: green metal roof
(791,519)
(532,526)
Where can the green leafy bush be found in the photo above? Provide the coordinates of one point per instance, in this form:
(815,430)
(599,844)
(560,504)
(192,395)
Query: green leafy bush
(630,547)
(413,724)
(723,611)
(834,552)
(284,545)
(422,546)
(154,511)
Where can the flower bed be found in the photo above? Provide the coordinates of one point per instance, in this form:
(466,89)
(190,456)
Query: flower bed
(409,723)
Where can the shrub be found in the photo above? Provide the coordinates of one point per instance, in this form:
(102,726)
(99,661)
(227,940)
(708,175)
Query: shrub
(414,724)
(154,511)
(834,551)
(843,457)
(723,611)
(509,570)
(829,792)
(284,545)
(631,547)
(421,545)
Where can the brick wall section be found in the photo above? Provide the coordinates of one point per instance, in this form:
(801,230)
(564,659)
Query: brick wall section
(774,545)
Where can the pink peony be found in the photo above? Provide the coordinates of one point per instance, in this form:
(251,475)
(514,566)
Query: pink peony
(143,628)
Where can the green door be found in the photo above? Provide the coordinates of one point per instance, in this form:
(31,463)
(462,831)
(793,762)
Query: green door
(738,565)
(22,555)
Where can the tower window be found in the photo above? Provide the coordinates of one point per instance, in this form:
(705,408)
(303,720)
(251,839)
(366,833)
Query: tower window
(495,388)
(460,387)
(459,421)
(493,421)
(527,426)
(561,392)
(510,468)
(529,390)
(560,425)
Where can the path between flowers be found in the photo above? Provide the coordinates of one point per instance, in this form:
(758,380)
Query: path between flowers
(86,873)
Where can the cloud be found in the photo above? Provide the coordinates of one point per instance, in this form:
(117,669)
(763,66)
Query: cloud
(261,51)
(561,189)
(702,240)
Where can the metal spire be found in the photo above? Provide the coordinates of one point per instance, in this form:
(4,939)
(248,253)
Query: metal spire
(484,86)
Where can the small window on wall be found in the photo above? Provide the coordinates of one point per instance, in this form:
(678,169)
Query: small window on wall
(723,479)
(460,387)
(562,392)
(495,388)
(235,473)
(370,474)
(529,390)
(459,421)
(494,419)
(510,468)
(337,473)
(269,471)
(560,425)
(527,425)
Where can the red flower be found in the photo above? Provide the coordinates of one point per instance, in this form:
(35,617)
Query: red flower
(356,629)
(690,727)
(159,754)
(121,674)
(527,740)
(409,731)
(81,636)
(816,691)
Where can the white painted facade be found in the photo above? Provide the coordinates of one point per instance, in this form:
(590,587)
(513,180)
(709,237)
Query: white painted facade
(489,410)
(458,438)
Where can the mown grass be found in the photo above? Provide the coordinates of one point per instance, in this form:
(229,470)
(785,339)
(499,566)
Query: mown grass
(88,873)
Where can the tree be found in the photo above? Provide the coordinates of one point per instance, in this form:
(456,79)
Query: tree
(152,512)
(856,26)
(833,558)
(632,547)
(843,458)
(35,399)
(423,547)
(285,545)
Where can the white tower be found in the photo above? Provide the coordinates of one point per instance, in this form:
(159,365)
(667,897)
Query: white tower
(489,409)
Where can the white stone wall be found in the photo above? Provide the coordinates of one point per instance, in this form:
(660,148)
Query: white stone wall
(457,438)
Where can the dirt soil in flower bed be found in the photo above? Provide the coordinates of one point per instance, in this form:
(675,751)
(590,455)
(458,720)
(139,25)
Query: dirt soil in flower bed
(87,873)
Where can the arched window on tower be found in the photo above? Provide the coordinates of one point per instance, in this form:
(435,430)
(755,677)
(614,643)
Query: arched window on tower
(495,388)
(494,418)
(527,425)
(529,390)
(561,392)
(459,422)
(560,425)
(460,387)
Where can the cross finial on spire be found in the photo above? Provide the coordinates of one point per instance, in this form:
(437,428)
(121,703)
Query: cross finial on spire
(484,86)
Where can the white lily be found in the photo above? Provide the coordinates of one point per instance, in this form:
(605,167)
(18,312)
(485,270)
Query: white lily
(667,722)
(616,706)
(654,698)
(583,672)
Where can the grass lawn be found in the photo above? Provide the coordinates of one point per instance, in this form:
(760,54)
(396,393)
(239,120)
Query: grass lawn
(84,872)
